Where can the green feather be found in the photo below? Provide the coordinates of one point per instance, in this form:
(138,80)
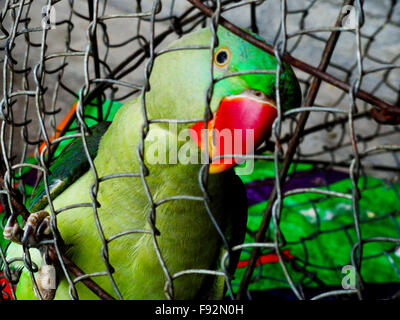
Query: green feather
(68,166)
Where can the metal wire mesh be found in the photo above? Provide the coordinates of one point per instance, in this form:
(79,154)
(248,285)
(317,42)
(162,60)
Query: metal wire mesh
(41,76)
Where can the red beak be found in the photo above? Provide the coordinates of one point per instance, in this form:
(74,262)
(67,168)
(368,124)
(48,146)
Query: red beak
(239,126)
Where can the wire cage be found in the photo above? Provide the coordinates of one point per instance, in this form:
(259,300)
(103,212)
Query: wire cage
(66,65)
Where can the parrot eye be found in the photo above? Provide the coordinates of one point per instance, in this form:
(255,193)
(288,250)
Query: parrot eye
(222,57)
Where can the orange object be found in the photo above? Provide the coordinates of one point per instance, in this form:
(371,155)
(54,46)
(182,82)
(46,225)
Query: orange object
(61,126)
(7,287)
(266,258)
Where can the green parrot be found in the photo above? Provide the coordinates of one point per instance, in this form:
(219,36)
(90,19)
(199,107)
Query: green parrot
(187,238)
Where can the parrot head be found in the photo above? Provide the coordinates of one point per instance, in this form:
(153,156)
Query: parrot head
(243,106)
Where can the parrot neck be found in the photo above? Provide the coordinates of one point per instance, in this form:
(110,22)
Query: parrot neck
(118,150)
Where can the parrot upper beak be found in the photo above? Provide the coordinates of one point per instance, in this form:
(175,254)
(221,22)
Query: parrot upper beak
(239,126)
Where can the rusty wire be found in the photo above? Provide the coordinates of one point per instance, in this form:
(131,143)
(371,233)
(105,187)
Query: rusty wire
(36,89)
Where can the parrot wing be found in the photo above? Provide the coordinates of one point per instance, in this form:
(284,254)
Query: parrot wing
(68,167)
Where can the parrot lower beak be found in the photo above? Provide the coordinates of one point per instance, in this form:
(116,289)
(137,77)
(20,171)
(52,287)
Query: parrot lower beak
(239,126)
